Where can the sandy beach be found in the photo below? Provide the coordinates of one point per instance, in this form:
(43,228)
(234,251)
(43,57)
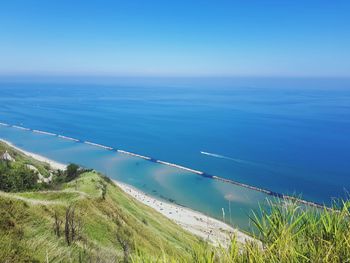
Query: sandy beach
(208,228)
(195,222)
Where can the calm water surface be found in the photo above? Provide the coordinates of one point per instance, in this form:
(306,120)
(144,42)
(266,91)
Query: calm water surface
(290,136)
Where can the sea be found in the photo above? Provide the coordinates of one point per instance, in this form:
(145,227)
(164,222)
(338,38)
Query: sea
(287,135)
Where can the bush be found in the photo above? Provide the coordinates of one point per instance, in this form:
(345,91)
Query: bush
(17,178)
(72,171)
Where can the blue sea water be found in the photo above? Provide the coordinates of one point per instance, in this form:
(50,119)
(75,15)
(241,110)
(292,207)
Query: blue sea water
(287,135)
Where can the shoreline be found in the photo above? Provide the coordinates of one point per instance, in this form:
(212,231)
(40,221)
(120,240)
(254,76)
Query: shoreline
(54,164)
(197,172)
(197,223)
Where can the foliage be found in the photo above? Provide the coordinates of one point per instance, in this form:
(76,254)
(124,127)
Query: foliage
(109,230)
(114,230)
(12,247)
(15,177)
(117,228)
(72,171)
(286,233)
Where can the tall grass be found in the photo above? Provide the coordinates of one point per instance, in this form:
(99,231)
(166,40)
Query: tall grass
(292,233)
(285,233)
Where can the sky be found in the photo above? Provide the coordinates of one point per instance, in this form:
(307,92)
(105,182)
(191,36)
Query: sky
(175,38)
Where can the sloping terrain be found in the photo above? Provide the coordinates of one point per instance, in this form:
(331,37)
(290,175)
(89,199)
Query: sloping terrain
(86,219)
(109,228)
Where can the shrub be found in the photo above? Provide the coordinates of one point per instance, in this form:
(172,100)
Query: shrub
(72,171)
(17,178)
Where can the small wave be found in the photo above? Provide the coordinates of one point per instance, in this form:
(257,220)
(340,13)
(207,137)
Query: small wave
(213,154)
(228,158)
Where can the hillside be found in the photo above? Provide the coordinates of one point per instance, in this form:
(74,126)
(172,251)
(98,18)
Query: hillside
(82,216)
(107,229)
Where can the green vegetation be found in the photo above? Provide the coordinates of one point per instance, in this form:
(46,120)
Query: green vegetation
(17,175)
(20,159)
(82,216)
(288,233)
(23,173)
(72,171)
(99,230)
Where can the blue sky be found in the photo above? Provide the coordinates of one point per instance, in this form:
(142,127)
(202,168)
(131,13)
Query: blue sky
(175,38)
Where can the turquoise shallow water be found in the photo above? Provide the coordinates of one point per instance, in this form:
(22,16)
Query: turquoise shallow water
(286,135)
(202,194)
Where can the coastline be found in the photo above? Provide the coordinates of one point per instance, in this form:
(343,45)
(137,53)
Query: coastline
(197,223)
(52,163)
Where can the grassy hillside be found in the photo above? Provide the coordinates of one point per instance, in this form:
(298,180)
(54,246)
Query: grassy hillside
(21,159)
(87,218)
(21,173)
(109,227)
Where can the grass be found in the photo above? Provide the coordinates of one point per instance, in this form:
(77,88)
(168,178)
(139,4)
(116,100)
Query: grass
(109,225)
(24,159)
(117,228)
(28,228)
(51,195)
(288,234)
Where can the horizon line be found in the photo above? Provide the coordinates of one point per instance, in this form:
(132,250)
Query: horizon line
(90,75)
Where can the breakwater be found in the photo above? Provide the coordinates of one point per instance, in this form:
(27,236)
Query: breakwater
(99,145)
(269,192)
(43,132)
(21,128)
(68,138)
(134,154)
(180,167)
(200,173)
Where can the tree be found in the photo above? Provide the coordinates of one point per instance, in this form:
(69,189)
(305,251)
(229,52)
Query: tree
(72,171)
(25,178)
(17,178)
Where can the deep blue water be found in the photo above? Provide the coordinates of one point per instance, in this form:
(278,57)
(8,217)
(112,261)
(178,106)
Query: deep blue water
(287,135)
